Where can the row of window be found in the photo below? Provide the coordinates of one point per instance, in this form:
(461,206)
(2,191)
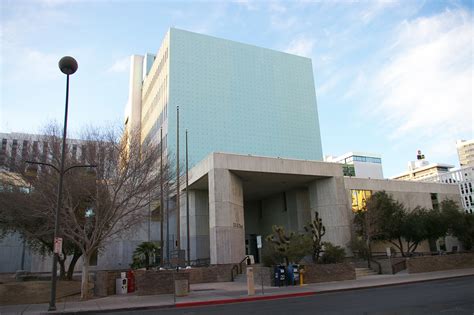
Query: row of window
(466,188)
(156,74)
(366,159)
(158,96)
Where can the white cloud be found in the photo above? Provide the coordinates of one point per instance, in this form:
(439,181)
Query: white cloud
(120,65)
(248,4)
(302,46)
(375,9)
(425,91)
(281,23)
(277,7)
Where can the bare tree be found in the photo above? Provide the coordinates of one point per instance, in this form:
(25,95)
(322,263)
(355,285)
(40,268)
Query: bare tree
(126,181)
(100,204)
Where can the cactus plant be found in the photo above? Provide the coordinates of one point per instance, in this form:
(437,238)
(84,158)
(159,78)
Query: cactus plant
(317,230)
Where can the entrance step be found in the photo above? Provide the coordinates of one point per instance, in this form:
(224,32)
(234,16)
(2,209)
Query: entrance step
(363,272)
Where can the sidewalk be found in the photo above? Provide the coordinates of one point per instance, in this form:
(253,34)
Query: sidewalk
(225,292)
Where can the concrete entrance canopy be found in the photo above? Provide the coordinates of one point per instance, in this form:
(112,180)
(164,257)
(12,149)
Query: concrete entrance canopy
(234,197)
(226,182)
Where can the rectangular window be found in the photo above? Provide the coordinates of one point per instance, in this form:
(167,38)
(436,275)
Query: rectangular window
(434,201)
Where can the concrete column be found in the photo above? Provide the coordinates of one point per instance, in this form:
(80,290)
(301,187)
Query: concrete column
(226,217)
(198,223)
(328,197)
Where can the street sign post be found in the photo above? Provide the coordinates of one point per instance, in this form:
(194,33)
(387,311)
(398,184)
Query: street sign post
(58,245)
(259,246)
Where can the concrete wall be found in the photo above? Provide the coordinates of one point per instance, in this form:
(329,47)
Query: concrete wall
(410,193)
(274,213)
(252,217)
(11,249)
(157,282)
(368,170)
(289,209)
(330,272)
(442,262)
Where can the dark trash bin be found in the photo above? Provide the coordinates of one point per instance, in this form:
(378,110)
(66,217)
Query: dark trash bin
(293,274)
(279,275)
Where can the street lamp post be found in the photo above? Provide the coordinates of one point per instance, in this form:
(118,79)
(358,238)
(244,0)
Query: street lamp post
(68,66)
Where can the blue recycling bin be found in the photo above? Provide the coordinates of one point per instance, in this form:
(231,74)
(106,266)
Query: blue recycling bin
(279,275)
(293,274)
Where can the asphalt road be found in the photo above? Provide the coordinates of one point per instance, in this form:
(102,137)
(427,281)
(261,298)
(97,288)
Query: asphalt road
(451,296)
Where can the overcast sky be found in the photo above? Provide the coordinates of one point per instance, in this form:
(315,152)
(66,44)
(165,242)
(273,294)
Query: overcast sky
(391,77)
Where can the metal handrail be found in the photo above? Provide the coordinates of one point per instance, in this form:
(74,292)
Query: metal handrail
(240,264)
(236,268)
(378,265)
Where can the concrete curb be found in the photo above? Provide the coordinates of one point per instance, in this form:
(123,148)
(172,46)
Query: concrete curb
(109,310)
(308,293)
(245,299)
(250,298)
(390,284)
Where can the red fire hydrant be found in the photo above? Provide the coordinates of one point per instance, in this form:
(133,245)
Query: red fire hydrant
(130,281)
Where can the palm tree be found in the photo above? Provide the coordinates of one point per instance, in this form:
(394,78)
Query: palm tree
(143,253)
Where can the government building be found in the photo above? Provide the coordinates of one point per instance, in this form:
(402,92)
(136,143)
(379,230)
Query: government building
(254,146)
(255,154)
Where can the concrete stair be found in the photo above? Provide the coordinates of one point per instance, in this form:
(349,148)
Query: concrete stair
(364,272)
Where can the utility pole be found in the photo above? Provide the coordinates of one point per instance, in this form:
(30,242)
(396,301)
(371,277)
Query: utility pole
(187,205)
(168,224)
(162,208)
(178,232)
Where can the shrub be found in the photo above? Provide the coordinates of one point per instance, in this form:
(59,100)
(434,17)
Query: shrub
(281,247)
(359,247)
(332,254)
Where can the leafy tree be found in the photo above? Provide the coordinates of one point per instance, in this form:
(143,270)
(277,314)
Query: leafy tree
(414,228)
(388,220)
(381,221)
(459,223)
(317,231)
(436,227)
